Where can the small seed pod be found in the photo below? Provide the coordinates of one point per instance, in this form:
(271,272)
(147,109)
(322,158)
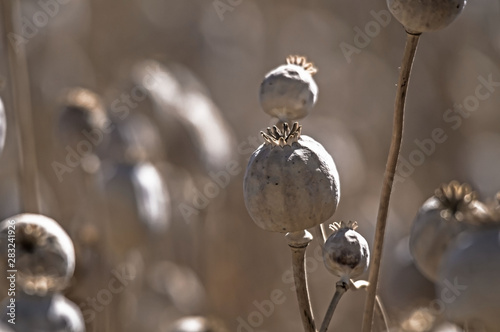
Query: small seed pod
(45,256)
(346,253)
(419,16)
(451,210)
(289,91)
(468,280)
(291,182)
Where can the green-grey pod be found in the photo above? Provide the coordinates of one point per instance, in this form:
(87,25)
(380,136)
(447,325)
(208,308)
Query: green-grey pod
(291,182)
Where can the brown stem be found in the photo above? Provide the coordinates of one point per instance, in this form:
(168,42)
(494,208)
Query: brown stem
(397,134)
(298,242)
(341,289)
(19,79)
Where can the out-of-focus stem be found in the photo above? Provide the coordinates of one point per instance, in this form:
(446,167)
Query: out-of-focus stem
(298,242)
(397,134)
(19,83)
(340,289)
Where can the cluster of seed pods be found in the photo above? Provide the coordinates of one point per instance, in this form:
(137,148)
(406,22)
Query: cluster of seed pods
(112,264)
(291,183)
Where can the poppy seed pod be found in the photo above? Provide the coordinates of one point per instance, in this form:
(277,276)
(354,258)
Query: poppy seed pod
(45,256)
(82,117)
(425,15)
(346,253)
(470,272)
(291,182)
(49,313)
(289,91)
(451,210)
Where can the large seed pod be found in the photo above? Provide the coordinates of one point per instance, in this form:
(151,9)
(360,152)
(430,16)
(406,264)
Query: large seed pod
(346,253)
(289,91)
(468,280)
(45,256)
(425,15)
(451,210)
(291,182)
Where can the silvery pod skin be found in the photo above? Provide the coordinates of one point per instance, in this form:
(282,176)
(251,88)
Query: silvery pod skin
(346,253)
(291,182)
(289,92)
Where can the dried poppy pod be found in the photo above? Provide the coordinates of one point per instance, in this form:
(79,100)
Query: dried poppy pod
(451,210)
(419,16)
(346,253)
(52,312)
(468,280)
(45,256)
(289,91)
(291,182)
(82,117)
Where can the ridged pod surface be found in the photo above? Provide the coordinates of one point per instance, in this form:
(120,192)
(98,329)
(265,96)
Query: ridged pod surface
(291,183)
(289,92)
(346,253)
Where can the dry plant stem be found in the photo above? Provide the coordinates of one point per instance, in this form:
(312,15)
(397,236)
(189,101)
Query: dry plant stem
(11,16)
(397,134)
(321,234)
(381,312)
(379,308)
(298,242)
(340,289)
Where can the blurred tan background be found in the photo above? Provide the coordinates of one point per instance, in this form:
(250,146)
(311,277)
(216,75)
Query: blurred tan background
(96,44)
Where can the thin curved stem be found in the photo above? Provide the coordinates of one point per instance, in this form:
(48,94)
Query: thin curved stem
(20,87)
(298,242)
(390,171)
(340,289)
(379,308)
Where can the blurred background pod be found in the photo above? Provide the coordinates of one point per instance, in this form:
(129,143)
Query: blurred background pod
(452,210)
(45,262)
(83,130)
(52,312)
(189,120)
(466,282)
(45,255)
